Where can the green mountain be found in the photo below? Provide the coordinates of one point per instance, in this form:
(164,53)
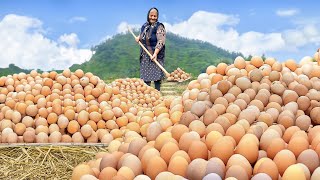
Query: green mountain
(12,69)
(118,57)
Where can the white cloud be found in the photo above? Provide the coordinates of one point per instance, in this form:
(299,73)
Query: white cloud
(77,19)
(123,27)
(256,43)
(287,12)
(220,30)
(302,35)
(24,44)
(70,39)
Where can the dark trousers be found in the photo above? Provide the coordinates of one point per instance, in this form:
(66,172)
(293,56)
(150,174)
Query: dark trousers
(157,84)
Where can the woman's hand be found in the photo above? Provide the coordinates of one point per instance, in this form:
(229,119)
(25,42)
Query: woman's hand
(137,39)
(154,57)
(155,54)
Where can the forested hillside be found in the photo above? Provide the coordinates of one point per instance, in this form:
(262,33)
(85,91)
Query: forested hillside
(118,57)
(12,69)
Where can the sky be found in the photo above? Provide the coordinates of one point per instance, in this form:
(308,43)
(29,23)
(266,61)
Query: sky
(54,34)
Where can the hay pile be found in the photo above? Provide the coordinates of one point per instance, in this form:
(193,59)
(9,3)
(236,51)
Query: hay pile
(43,162)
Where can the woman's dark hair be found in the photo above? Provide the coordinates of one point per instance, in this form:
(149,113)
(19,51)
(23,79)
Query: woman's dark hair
(150,11)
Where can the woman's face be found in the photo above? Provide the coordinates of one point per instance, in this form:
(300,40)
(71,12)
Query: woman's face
(153,16)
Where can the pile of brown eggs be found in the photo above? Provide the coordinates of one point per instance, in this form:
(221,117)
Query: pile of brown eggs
(254,119)
(179,75)
(73,107)
(136,91)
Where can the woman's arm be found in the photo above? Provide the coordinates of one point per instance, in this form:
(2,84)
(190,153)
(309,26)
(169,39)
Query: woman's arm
(161,37)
